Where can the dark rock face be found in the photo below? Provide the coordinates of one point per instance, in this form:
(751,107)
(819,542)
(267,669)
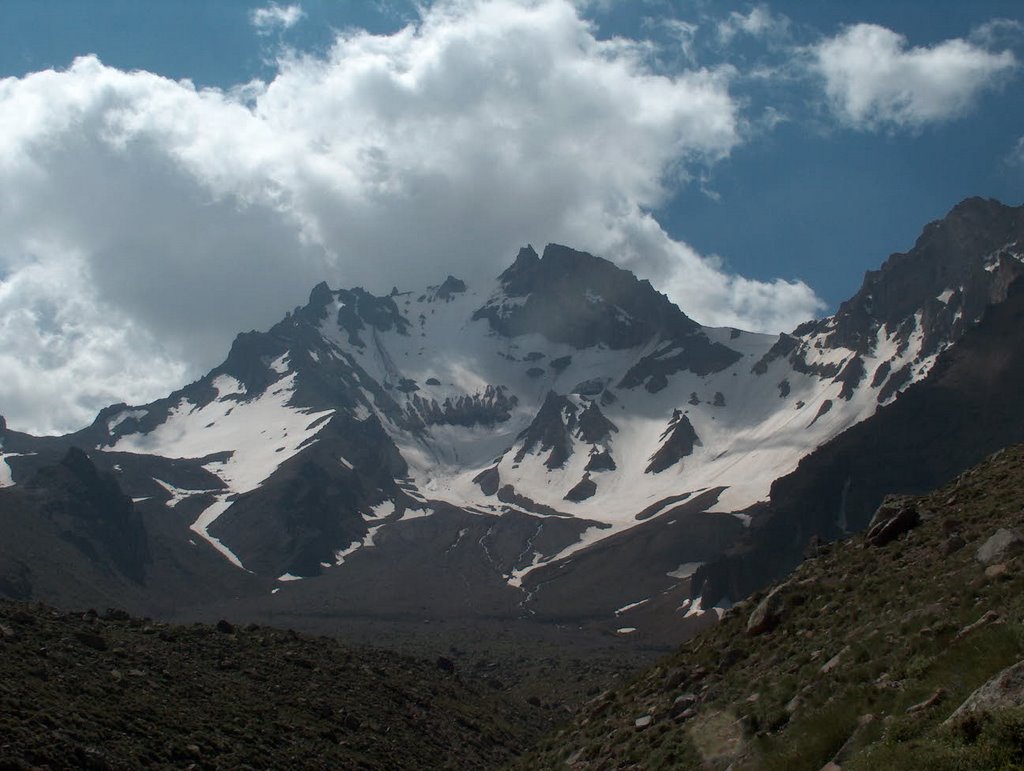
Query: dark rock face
(311,506)
(451,287)
(600,461)
(491,406)
(851,376)
(593,426)
(582,490)
(822,410)
(678,439)
(360,310)
(959,266)
(489,480)
(696,353)
(92,513)
(551,429)
(975,386)
(945,255)
(575,298)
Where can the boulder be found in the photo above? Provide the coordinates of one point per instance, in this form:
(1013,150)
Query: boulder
(1000,546)
(768,613)
(1004,690)
(886,526)
(683,703)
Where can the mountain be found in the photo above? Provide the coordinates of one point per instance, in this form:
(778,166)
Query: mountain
(562,445)
(900,648)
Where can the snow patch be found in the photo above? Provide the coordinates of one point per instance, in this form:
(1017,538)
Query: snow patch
(631,605)
(260,434)
(339,556)
(178,494)
(6,476)
(122,416)
(227,386)
(381,510)
(280,364)
(415,514)
(685,570)
(289,577)
(207,518)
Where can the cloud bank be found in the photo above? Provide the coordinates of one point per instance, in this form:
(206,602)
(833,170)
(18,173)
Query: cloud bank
(144,222)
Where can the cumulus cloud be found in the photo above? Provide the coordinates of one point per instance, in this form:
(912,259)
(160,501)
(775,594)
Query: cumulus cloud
(875,80)
(155,220)
(275,16)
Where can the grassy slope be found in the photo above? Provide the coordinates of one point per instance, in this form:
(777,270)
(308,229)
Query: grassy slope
(891,614)
(84,692)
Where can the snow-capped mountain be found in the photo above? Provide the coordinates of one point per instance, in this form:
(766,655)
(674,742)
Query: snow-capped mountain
(561,441)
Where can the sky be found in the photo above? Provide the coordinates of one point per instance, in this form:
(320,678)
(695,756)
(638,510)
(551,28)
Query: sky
(177,171)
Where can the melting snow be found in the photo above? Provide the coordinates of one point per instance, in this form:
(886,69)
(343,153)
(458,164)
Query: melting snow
(178,494)
(280,364)
(339,556)
(381,510)
(122,416)
(685,570)
(260,434)
(6,477)
(626,630)
(415,514)
(207,518)
(288,577)
(631,605)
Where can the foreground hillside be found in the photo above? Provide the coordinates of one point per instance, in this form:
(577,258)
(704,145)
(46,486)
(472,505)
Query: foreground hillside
(79,690)
(859,659)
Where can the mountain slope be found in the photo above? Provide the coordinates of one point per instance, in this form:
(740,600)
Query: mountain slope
(78,690)
(968,407)
(861,657)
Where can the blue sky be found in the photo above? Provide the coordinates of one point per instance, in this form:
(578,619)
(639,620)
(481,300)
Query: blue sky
(753,160)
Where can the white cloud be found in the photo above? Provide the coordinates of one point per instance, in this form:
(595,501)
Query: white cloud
(275,16)
(1017,154)
(63,354)
(874,79)
(181,216)
(758,22)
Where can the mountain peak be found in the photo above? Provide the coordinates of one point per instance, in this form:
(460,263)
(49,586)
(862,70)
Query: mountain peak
(579,299)
(954,270)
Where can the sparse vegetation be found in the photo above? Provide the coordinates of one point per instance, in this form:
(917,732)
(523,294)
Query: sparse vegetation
(874,649)
(81,690)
